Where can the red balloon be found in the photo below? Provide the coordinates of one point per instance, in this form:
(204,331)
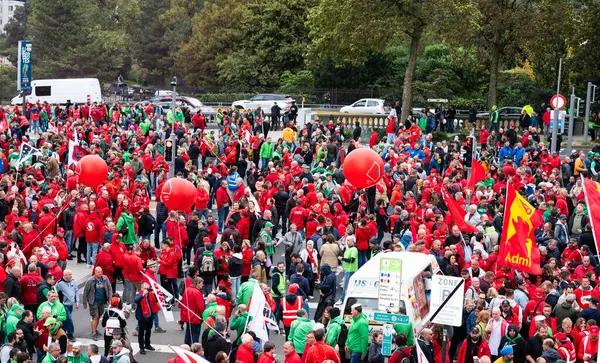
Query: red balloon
(92,170)
(178,194)
(363,168)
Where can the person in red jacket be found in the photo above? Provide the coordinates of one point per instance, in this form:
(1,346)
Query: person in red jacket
(117,250)
(473,346)
(202,198)
(93,226)
(132,274)
(247,256)
(168,269)
(245,353)
(79,227)
(321,352)
(223,202)
(363,235)
(28,284)
(212,229)
(104,259)
(46,223)
(192,308)
(31,239)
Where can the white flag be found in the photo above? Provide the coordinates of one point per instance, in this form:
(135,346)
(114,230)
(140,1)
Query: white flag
(162,296)
(187,356)
(256,310)
(27,151)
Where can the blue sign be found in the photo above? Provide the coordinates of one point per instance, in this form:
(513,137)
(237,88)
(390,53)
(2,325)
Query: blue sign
(24,66)
(390,318)
(388,334)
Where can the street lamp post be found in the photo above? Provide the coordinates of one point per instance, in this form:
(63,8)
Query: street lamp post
(24,38)
(173,137)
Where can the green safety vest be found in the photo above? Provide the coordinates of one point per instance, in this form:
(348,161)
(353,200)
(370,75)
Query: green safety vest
(495,116)
(280,286)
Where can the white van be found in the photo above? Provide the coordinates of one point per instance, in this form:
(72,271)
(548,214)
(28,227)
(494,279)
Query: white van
(415,292)
(60,91)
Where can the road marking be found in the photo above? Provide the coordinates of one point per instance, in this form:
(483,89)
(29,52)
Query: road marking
(160,348)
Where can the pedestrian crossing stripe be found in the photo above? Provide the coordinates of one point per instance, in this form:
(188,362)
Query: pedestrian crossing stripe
(160,348)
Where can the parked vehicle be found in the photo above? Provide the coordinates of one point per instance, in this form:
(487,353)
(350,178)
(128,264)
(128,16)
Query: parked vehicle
(374,106)
(194,104)
(62,91)
(266,101)
(415,291)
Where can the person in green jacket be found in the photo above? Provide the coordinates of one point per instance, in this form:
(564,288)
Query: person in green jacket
(77,356)
(12,318)
(358,335)
(266,236)
(350,264)
(423,122)
(238,323)
(334,327)
(53,353)
(127,219)
(246,290)
(145,126)
(298,330)
(266,152)
(57,309)
(406,329)
(494,119)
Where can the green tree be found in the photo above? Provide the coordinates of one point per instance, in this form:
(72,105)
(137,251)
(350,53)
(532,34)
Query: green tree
(215,32)
(274,39)
(348,31)
(147,43)
(15,31)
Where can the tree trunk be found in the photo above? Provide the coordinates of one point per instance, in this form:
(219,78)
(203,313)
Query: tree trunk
(415,40)
(494,65)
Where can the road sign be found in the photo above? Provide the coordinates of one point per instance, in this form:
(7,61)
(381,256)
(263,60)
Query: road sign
(390,318)
(390,279)
(558,101)
(386,345)
(24,65)
(437,100)
(451,314)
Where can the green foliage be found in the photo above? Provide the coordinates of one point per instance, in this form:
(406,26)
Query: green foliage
(8,82)
(299,82)
(273,41)
(518,90)
(465,103)
(215,32)
(224,97)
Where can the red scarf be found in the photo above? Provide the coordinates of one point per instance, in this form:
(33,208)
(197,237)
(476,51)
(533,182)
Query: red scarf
(149,305)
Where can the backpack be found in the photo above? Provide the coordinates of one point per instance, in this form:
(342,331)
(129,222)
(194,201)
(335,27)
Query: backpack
(208,264)
(124,230)
(342,337)
(111,324)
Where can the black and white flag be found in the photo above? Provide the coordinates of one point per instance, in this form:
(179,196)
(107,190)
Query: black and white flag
(27,151)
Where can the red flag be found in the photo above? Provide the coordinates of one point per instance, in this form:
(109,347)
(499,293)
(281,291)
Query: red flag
(477,174)
(518,249)
(458,214)
(592,198)
(342,155)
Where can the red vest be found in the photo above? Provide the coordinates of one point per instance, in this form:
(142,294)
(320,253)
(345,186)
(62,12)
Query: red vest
(290,310)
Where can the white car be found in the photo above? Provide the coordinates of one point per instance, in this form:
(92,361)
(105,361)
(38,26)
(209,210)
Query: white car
(374,106)
(266,101)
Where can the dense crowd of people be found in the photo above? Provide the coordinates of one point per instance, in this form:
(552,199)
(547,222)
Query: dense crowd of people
(255,193)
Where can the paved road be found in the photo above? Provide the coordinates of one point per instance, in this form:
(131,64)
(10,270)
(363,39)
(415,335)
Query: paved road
(173,336)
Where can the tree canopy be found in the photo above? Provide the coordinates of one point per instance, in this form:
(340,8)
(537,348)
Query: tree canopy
(498,51)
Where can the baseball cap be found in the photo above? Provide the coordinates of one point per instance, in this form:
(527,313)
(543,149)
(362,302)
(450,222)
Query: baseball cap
(50,321)
(293,289)
(475,330)
(506,350)
(562,216)
(520,282)
(593,330)
(116,343)
(505,303)
(560,336)
(268,224)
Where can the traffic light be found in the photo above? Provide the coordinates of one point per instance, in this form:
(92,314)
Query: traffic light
(169,150)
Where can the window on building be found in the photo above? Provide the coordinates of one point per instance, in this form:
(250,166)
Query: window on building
(10,8)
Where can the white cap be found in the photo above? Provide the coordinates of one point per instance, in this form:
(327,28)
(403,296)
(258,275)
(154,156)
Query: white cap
(77,345)
(540,318)
(357,305)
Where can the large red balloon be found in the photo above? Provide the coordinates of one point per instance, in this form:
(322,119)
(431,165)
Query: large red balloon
(363,168)
(178,194)
(92,170)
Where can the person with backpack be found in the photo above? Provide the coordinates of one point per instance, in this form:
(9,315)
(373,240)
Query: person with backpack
(207,265)
(337,332)
(126,227)
(113,318)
